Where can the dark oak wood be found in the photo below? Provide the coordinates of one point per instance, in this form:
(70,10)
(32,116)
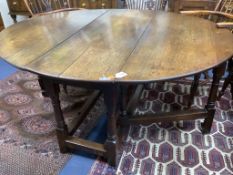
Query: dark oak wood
(148,46)
(66,142)
(146,5)
(164,117)
(223,17)
(89,103)
(133,101)
(37,8)
(179,5)
(89,146)
(61,127)
(18,7)
(42,86)
(58,49)
(228,80)
(210,107)
(191,114)
(193,89)
(46,7)
(207,13)
(225,25)
(111,99)
(1,23)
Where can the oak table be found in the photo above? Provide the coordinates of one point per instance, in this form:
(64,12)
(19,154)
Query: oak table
(87,48)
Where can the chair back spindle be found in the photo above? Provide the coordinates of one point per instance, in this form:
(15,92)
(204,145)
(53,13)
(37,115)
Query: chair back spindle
(222,13)
(146,4)
(225,6)
(36,7)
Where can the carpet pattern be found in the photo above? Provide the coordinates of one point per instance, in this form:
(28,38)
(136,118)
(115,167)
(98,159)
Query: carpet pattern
(27,128)
(15,160)
(28,144)
(175,148)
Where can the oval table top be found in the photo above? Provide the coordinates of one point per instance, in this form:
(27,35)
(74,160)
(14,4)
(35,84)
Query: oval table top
(94,45)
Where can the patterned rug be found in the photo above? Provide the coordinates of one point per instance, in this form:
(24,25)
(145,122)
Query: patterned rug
(28,144)
(175,148)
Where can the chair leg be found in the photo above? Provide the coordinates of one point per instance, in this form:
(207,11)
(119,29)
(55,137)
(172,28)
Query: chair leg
(227,81)
(193,90)
(232,87)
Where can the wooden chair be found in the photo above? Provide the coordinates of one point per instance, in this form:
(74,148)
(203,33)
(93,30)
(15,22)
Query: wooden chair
(223,17)
(146,4)
(42,7)
(1,23)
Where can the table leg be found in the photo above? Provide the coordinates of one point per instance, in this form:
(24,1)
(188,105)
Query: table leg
(123,100)
(52,90)
(193,89)
(42,86)
(210,107)
(111,98)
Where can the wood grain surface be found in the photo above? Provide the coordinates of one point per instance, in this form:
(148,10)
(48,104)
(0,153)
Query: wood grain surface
(90,44)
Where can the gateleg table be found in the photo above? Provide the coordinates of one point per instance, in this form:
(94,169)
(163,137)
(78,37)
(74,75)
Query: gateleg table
(87,48)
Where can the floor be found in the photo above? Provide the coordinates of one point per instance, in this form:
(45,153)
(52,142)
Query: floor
(81,163)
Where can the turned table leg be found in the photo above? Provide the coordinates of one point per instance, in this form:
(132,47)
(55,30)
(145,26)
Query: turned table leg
(111,98)
(210,107)
(52,90)
(123,100)
(193,89)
